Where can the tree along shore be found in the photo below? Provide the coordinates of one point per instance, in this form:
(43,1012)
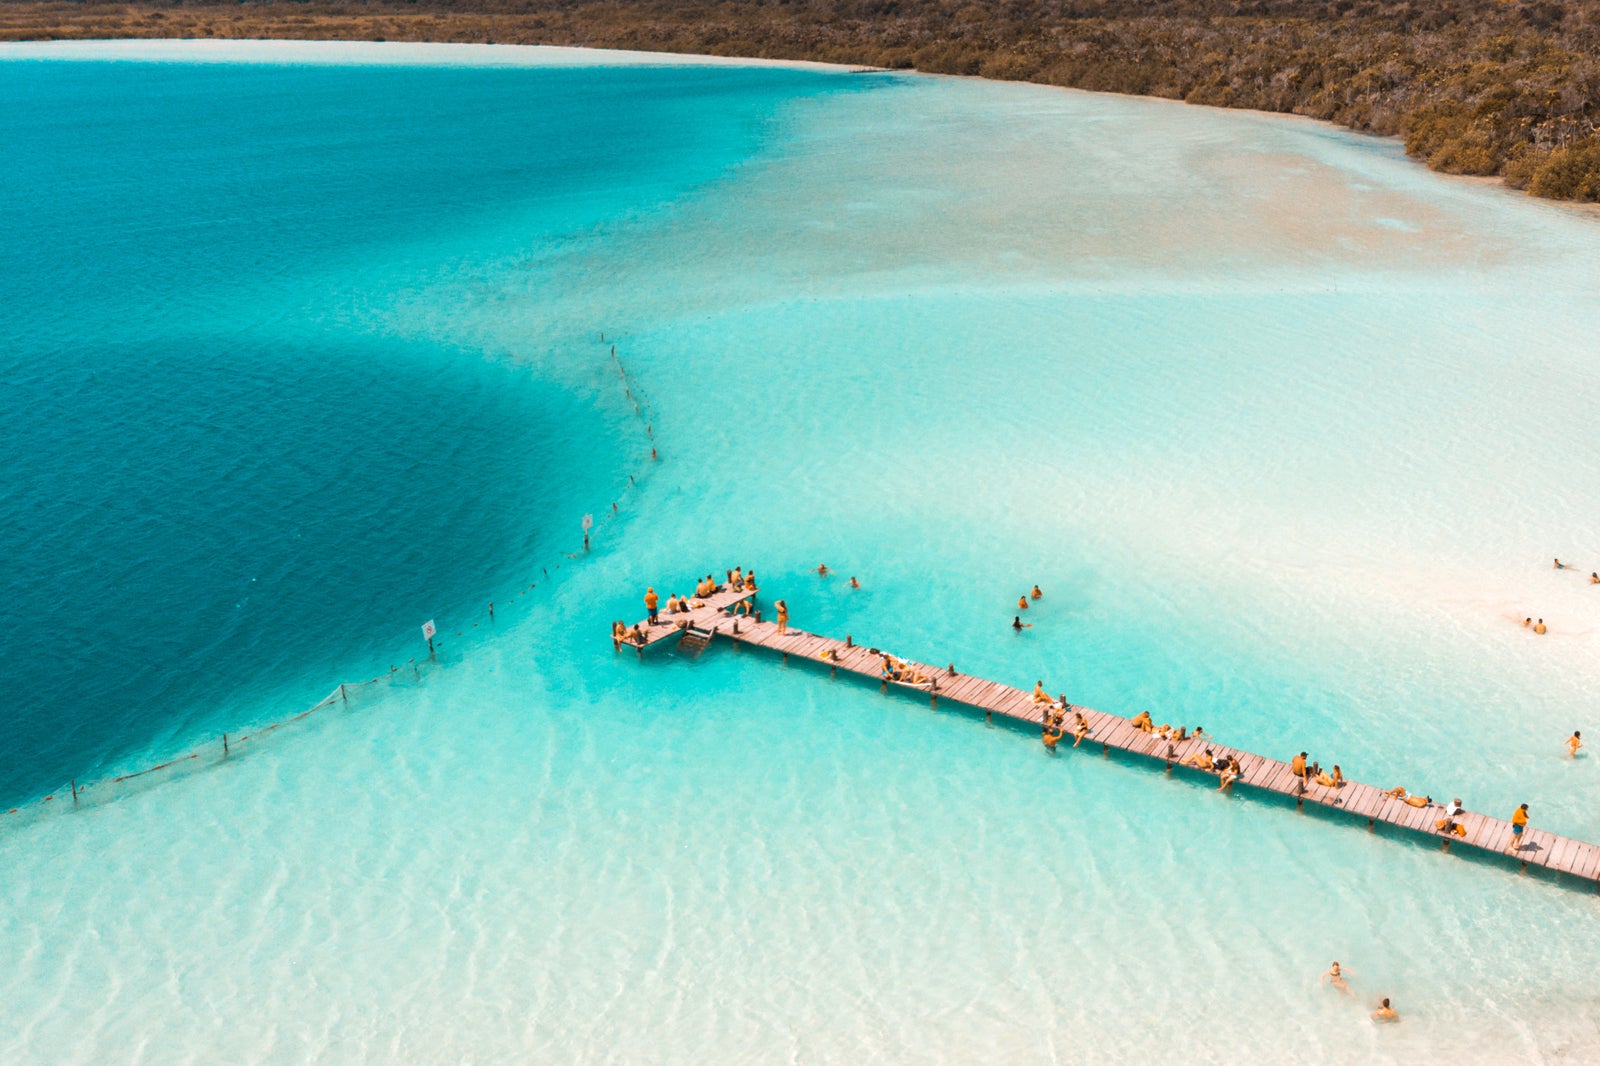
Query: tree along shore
(1509,88)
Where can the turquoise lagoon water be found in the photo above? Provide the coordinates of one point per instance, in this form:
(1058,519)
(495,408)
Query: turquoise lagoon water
(1286,427)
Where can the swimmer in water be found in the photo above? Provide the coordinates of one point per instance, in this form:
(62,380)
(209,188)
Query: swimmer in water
(1561,565)
(822,571)
(1335,977)
(854,583)
(1385,1013)
(1574,742)
(1036,594)
(1019,625)
(1527,623)
(1051,736)
(1539,627)
(1594,578)
(1022,603)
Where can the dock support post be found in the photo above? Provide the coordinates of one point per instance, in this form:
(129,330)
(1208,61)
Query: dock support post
(933,700)
(1524,868)
(1372,825)
(1299,803)
(1169,766)
(833,671)
(1446,849)
(988,717)
(785,656)
(1105,749)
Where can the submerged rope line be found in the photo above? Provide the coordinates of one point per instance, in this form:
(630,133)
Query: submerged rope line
(644,414)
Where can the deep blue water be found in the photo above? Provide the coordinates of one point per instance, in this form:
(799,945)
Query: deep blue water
(233,473)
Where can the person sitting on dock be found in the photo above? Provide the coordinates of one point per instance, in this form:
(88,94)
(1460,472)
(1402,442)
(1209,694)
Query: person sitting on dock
(619,633)
(1142,722)
(637,635)
(737,583)
(1574,742)
(1335,977)
(1297,766)
(822,571)
(783,617)
(750,581)
(1019,625)
(1039,694)
(1080,728)
(1202,760)
(1519,825)
(1229,771)
(1036,593)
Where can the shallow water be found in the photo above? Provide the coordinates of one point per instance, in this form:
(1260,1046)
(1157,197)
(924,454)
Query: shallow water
(1286,427)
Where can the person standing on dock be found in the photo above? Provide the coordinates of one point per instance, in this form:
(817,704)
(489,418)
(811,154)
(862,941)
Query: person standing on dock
(783,617)
(651,603)
(1519,825)
(1574,742)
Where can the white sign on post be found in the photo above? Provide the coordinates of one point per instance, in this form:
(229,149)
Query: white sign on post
(428,630)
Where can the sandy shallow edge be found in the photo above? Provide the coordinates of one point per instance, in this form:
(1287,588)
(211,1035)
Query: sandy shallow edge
(380,53)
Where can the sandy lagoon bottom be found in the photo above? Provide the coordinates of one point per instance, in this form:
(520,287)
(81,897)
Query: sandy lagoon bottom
(1259,404)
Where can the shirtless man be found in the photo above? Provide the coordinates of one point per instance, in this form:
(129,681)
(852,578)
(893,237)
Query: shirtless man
(1022,603)
(1335,977)
(1385,1013)
(1051,736)
(822,571)
(1539,627)
(1142,722)
(1297,766)
(854,583)
(1036,594)
(1574,742)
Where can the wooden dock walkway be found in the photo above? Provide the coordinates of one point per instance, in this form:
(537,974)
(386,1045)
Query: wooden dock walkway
(1539,847)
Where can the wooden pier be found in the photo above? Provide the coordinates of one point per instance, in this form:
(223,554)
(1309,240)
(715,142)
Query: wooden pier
(1538,848)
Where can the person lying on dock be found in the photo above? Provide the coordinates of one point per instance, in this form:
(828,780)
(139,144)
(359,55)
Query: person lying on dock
(1333,780)
(1418,801)
(1142,723)
(1039,694)
(1080,728)
(1019,625)
(1201,760)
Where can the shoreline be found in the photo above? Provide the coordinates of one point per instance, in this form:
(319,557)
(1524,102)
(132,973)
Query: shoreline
(290,51)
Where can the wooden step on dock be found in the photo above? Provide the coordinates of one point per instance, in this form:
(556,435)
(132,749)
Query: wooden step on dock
(1538,848)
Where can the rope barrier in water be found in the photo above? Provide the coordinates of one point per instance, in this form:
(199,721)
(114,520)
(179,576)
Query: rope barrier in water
(230,741)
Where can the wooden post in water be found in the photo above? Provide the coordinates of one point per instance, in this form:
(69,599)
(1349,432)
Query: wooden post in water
(346,699)
(75,797)
(224,745)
